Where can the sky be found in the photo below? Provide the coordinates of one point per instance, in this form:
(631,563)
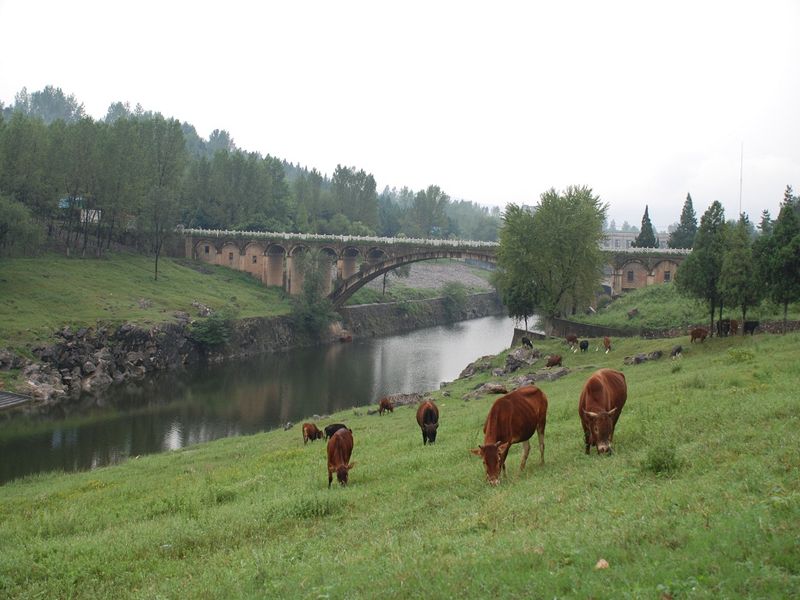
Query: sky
(494,102)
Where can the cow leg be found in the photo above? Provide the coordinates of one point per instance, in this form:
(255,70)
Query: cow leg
(424,438)
(330,478)
(526,449)
(540,435)
(586,439)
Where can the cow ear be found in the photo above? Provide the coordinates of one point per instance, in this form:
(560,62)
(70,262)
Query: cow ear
(351,465)
(476,451)
(436,425)
(503,447)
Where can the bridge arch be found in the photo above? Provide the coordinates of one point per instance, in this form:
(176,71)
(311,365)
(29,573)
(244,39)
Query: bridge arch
(347,287)
(274,268)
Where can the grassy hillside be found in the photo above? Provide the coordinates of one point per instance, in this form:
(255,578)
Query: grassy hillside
(701,499)
(40,295)
(661,306)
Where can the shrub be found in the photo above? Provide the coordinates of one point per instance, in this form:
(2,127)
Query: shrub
(455,299)
(661,460)
(216,329)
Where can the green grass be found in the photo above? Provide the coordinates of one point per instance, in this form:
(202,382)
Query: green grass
(39,296)
(701,499)
(661,306)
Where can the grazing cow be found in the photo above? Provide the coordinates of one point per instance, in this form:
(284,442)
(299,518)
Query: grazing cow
(554,360)
(750,327)
(385,404)
(428,421)
(698,333)
(310,432)
(340,447)
(333,428)
(734,327)
(676,352)
(513,418)
(607,344)
(572,339)
(600,406)
(527,342)
(584,345)
(723,327)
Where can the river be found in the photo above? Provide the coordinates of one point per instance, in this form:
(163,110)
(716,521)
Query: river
(176,409)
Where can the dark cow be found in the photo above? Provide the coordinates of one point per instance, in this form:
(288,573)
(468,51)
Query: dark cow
(584,345)
(676,352)
(572,339)
(600,406)
(607,344)
(734,327)
(428,421)
(750,327)
(698,333)
(340,447)
(333,428)
(723,327)
(384,405)
(554,360)
(311,432)
(513,418)
(527,342)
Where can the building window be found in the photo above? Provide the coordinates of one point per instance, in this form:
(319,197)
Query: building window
(667,276)
(630,276)
(255,259)
(230,255)
(206,249)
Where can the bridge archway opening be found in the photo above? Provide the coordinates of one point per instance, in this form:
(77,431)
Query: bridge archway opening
(274,269)
(329,259)
(230,255)
(254,260)
(349,262)
(295,269)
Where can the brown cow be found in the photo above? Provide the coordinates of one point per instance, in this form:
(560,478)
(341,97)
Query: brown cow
(600,406)
(734,326)
(554,360)
(698,333)
(340,447)
(311,432)
(428,421)
(385,404)
(607,344)
(572,339)
(513,418)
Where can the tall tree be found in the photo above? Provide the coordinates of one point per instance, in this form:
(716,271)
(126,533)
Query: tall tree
(778,257)
(739,282)
(647,236)
(551,259)
(765,226)
(683,236)
(699,273)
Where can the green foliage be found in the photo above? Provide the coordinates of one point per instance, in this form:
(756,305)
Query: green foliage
(778,258)
(740,283)
(647,235)
(683,236)
(550,259)
(455,299)
(19,235)
(251,516)
(216,329)
(311,310)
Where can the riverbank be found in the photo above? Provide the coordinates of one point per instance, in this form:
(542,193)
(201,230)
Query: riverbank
(252,516)
(89,360)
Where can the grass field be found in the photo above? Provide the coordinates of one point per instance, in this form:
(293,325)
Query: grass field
(701,499)
(40,295)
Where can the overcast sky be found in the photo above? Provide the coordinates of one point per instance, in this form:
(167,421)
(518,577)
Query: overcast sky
(495,102)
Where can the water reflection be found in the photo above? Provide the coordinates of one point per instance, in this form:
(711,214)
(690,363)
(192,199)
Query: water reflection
(243,397)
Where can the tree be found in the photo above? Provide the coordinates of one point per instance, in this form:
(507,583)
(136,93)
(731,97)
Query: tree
(647,236)
(699,274)
(311,310)
(683,236)
(738,281)
(778,257)
(18,232)
(549,260)
(765,226)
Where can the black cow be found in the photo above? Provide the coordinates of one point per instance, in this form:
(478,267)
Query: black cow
(584,345)
(333,428)
(750,327)
(527,342)
(677,351)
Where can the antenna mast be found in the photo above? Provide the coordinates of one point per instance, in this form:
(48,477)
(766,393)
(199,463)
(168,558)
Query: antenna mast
(741,165)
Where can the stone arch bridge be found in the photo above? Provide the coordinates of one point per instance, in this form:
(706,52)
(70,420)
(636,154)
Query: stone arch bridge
(273,258)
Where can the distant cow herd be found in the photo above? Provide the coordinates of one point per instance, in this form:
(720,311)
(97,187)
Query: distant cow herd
(516,416)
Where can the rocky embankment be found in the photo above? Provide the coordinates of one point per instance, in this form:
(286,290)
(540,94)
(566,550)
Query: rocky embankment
(89,360)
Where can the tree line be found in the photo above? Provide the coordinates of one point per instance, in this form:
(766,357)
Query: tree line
(135,175)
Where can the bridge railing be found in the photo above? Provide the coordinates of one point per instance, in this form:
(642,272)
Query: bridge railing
(319,237)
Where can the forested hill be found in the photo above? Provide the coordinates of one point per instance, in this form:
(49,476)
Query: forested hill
(135,172)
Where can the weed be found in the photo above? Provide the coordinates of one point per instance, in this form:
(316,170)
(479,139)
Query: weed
(662,460)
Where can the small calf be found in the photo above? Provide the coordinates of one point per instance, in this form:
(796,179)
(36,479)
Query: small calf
(554,360)
(385,404)
(527,342)
(584,345)
(333,428)
(698,333)
(311,432)
(676,352)
(607,344)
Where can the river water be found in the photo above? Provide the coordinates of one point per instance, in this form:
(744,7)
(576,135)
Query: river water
(175,409)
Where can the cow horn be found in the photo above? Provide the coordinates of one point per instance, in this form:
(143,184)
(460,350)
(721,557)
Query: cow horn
(351,465)
(590,414)
(476,451)
(612,411)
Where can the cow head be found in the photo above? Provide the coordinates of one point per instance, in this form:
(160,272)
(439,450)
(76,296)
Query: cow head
(601,427)
(493,457)
(342,471)
(430,431)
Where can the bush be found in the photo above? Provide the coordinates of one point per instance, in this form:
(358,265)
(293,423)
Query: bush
(661,460)
(216,329)
(455,299)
